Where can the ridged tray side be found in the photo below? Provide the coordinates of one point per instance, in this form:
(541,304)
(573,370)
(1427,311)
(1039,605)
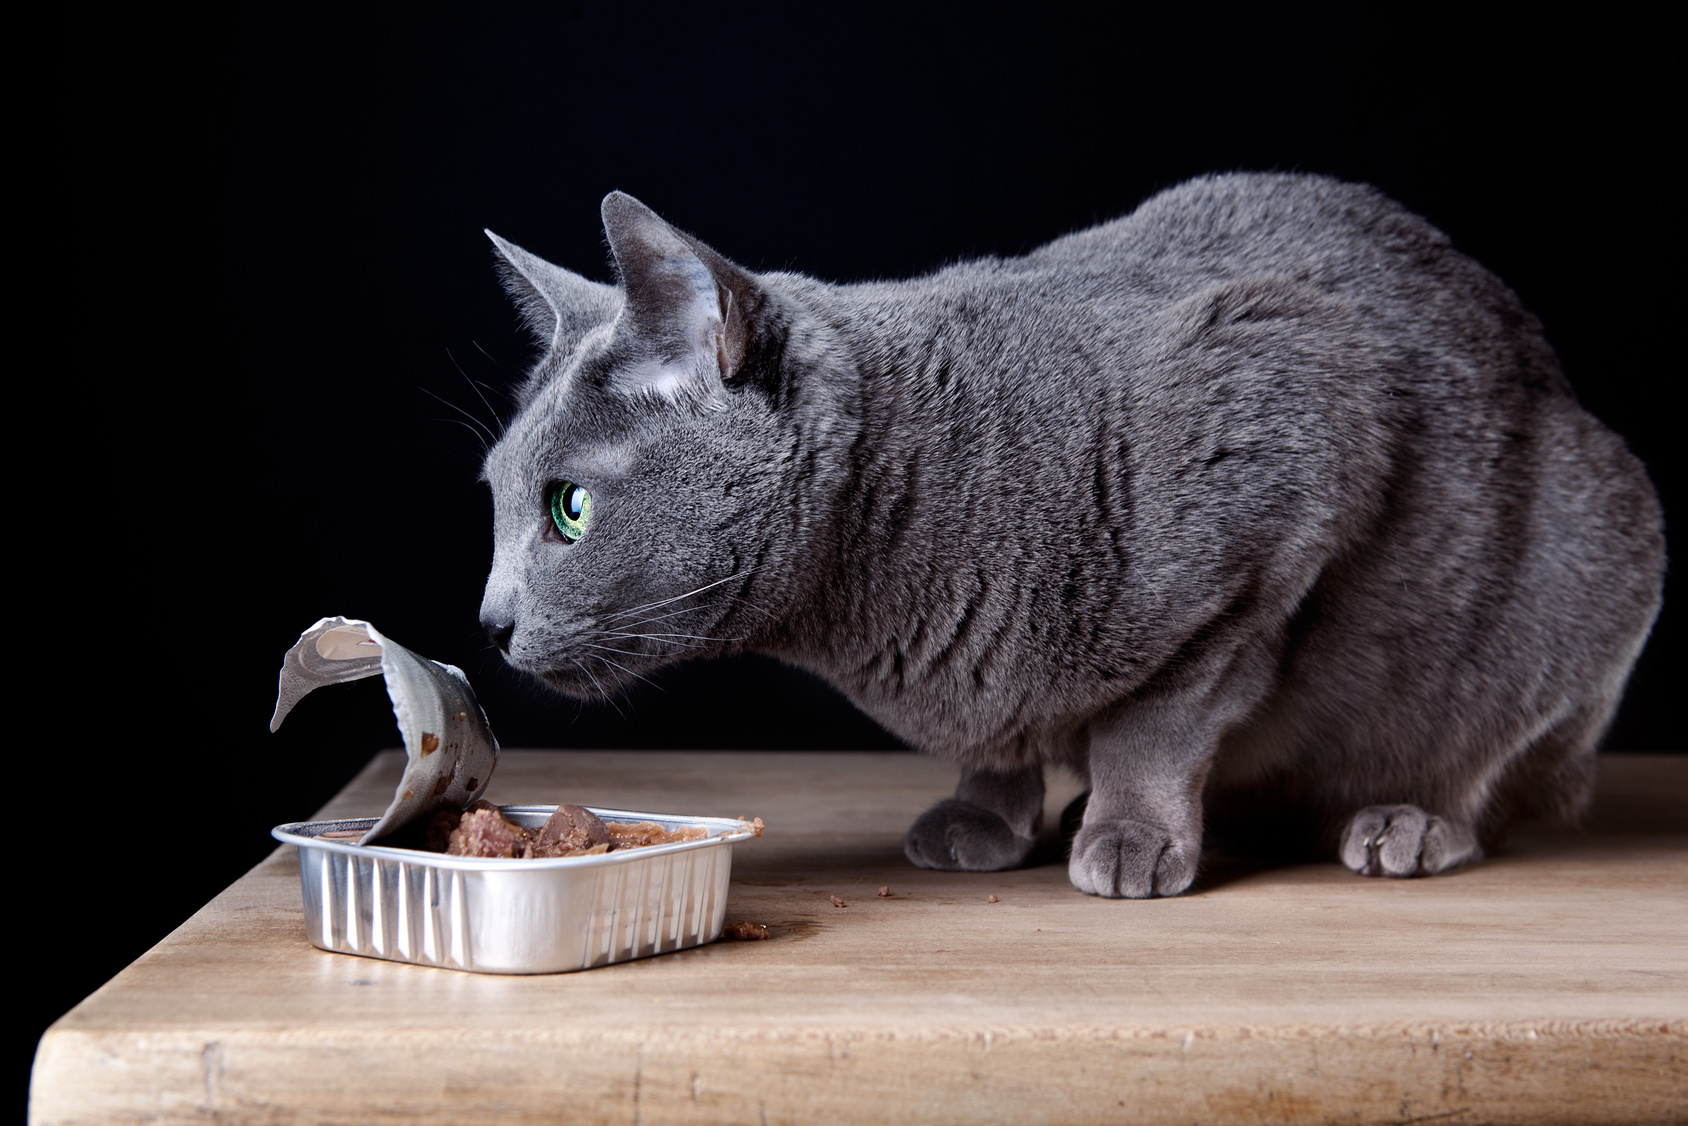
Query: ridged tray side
(544,920)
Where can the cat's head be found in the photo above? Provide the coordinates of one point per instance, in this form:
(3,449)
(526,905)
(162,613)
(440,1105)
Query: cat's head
(642,494)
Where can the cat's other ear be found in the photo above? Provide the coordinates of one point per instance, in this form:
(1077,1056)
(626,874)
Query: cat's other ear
(692,307)
(558,305)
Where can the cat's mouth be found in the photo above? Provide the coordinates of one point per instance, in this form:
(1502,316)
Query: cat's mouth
(602,655)
(584,678)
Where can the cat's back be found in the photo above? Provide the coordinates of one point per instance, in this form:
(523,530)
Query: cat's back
(1343,238)
(1461,372)
(1246,223)
(1244,381)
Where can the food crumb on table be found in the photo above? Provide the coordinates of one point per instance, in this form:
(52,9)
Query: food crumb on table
(885,892)
(993,899)
(746,932)
(836,902)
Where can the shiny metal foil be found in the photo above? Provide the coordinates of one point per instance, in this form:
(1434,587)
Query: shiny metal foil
(515,916)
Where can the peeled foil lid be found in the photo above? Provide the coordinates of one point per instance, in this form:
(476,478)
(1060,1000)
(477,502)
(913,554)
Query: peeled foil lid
(450,747)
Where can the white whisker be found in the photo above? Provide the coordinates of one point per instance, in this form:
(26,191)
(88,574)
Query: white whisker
(670,614)
(671,637)
(741,604)
(490,436)
(472,385)
(675,598)
(599,687)
(499,366)
(459,422)
(613,649)
(630,672)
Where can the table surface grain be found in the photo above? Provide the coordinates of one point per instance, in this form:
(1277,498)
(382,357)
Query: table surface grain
(1547,984)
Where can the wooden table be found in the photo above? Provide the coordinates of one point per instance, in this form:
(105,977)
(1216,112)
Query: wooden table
(1547,984)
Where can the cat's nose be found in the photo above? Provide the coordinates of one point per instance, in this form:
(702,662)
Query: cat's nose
(499,632)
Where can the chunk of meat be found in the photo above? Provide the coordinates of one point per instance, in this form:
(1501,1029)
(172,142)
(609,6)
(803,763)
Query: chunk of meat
(572,831)
(638,834)
(485,831)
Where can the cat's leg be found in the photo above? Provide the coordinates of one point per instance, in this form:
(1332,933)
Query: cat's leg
(1072,819)
(1142,829)
(1554,776)
(1403,840)
(989,825)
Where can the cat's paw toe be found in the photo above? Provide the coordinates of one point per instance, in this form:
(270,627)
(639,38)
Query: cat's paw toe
(959,837)
(1131,860)
(1403,840)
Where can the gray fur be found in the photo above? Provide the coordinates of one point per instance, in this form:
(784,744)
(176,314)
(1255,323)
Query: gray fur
(1262,500)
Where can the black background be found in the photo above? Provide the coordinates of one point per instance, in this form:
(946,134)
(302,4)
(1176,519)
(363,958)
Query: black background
(265,259)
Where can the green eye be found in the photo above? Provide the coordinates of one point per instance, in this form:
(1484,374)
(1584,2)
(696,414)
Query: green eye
(571,505)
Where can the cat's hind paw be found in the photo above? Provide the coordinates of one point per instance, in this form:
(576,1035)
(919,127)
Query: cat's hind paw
(958,836)
(1131,860)
(1403,840)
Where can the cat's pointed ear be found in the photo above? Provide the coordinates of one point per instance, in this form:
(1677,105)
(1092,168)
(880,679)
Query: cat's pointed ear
(694,306)
(557,304)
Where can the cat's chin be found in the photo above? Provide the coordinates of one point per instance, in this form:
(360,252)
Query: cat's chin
(579,684)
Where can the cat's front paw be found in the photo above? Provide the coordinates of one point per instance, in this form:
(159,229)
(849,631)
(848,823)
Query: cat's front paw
(1131,860)
(959,837)
(1403,840)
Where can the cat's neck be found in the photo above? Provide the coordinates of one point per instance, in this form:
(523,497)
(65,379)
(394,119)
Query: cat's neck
(875,416)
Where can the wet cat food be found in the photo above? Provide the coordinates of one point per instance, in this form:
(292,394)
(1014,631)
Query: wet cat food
(483,830)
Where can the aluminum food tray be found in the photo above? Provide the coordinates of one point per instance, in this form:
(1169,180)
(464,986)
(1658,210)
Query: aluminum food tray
(515,916)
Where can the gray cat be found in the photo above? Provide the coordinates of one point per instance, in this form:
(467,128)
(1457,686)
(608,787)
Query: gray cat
(1262,499)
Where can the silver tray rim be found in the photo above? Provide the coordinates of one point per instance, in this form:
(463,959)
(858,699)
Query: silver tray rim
(732,830)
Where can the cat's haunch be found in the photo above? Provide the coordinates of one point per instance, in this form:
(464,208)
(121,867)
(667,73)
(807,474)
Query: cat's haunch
(1262,501)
